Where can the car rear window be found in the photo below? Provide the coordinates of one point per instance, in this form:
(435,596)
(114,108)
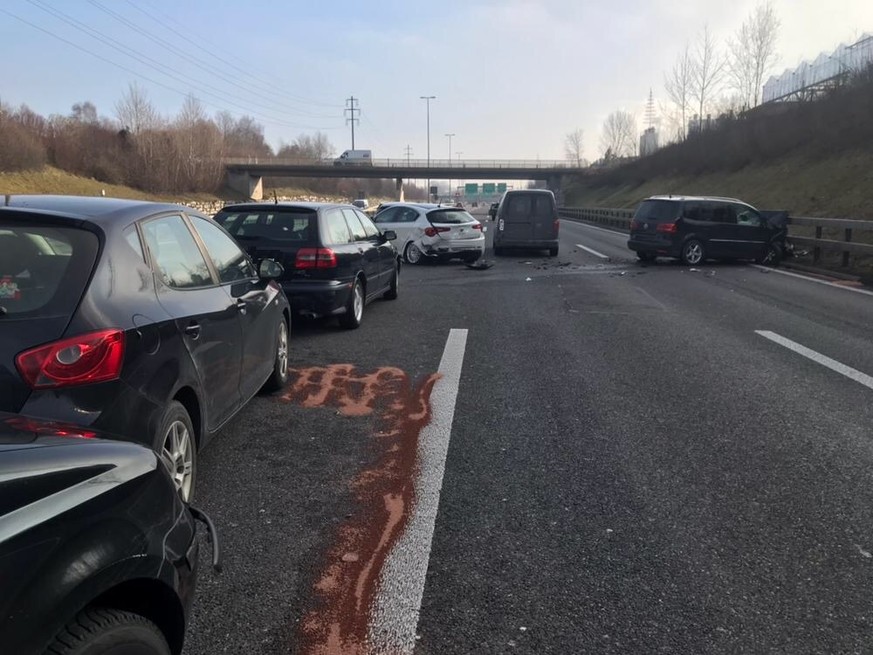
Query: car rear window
(43,268)
(658,211)
(449,216)
(522,207)
(299,226)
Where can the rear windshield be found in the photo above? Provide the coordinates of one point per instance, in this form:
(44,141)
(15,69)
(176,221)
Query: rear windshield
(658,211)
(523,207)
(298,226)
(449,216)
(43,269)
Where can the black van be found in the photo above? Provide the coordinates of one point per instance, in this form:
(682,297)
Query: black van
(694,229)
(526,219)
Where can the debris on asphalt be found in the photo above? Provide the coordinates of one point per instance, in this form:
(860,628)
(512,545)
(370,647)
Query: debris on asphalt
(528,279)
(350,557)
(523,629)
(865,553)
(480,265)
(710,273)
(694,270)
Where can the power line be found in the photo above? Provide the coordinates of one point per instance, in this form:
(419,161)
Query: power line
(248,73)
(350,111)
(408,152)
(145,59)
(136,73)
(198,62)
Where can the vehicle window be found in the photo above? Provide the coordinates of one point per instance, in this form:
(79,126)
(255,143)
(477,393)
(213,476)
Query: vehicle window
(722,213)
(355,226)
(231,263)
(174,252)
(43,269)
(518,207)
(337,229)
(300,226)
(369,228)
(390,215)
(747,216)
(132,238)
(658,211)
(408,215)
(449,216)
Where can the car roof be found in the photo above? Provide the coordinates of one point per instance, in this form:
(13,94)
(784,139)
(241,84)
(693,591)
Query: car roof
(707,198)
(248,206)
(99,210)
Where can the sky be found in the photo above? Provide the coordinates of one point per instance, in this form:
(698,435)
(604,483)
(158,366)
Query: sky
(511,78)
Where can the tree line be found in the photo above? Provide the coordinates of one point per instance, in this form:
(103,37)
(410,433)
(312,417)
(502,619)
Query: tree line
(141,148)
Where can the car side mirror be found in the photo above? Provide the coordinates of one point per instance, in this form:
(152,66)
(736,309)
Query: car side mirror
(389,235)
(270,269)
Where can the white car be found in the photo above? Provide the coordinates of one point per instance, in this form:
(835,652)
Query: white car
(432,231)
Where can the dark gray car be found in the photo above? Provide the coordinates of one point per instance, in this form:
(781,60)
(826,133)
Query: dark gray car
(527,219)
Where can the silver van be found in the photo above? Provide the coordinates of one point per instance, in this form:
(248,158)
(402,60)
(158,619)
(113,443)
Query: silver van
(526,219)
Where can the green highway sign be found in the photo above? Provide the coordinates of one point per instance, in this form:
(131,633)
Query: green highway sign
(488,187)
(471,189)
(501,188)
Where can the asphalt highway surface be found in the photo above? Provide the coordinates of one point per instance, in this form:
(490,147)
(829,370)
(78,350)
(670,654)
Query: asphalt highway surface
(579,454)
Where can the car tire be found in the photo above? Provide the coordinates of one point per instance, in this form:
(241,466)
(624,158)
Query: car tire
(772,255)
(279,376)
(354,307)
(412,254)
(176,446)
(693,253)
(391,294)
(553,252)
(645,256)
(105,631)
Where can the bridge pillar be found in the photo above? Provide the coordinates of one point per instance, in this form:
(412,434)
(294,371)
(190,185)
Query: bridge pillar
(251,186)
(555,184)
(399,183)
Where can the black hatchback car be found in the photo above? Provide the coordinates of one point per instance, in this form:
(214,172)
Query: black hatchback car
(98,553)
(693,229)
(141,319)
(335,258)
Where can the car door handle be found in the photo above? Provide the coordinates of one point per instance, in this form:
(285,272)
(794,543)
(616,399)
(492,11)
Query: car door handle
(193,330)
(241,306)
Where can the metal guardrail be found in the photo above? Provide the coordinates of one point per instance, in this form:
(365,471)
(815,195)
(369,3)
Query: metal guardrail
(620,219)
(411,163)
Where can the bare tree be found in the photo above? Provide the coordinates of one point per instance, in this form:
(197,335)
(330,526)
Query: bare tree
(707,71)
(573,148)
(619,136)
(753,52)
(135,111)
(678,83)
(84,112)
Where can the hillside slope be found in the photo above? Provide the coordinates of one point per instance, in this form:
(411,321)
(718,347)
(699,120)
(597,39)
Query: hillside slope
(833,187)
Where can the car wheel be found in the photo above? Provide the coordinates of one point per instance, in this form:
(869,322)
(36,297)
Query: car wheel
(645,256)
(772,256)
(553,252)
(391,294)
(279,376)
(176,446)
(412,253)
(105,631)
(693,252)
(354,307)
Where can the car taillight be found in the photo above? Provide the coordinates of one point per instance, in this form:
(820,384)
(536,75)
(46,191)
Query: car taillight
(634,224)
(557,224)
(315,258)
(668,228)
(433,231)
(85,359)
(477,226)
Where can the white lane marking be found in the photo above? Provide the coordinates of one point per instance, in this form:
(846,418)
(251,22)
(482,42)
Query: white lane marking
(592,251)
(594,227)
(811,279)
(396,607)
(827,362)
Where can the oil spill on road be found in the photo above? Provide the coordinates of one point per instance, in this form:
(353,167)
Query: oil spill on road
(338,620)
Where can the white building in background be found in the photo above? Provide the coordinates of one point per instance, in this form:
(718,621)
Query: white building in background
(827,70)
(648,141)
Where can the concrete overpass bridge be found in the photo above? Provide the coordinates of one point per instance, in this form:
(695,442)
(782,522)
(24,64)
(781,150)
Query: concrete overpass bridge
(246,175)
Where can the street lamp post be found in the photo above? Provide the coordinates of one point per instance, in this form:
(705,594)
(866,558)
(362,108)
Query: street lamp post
(427,100)
(450,161)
